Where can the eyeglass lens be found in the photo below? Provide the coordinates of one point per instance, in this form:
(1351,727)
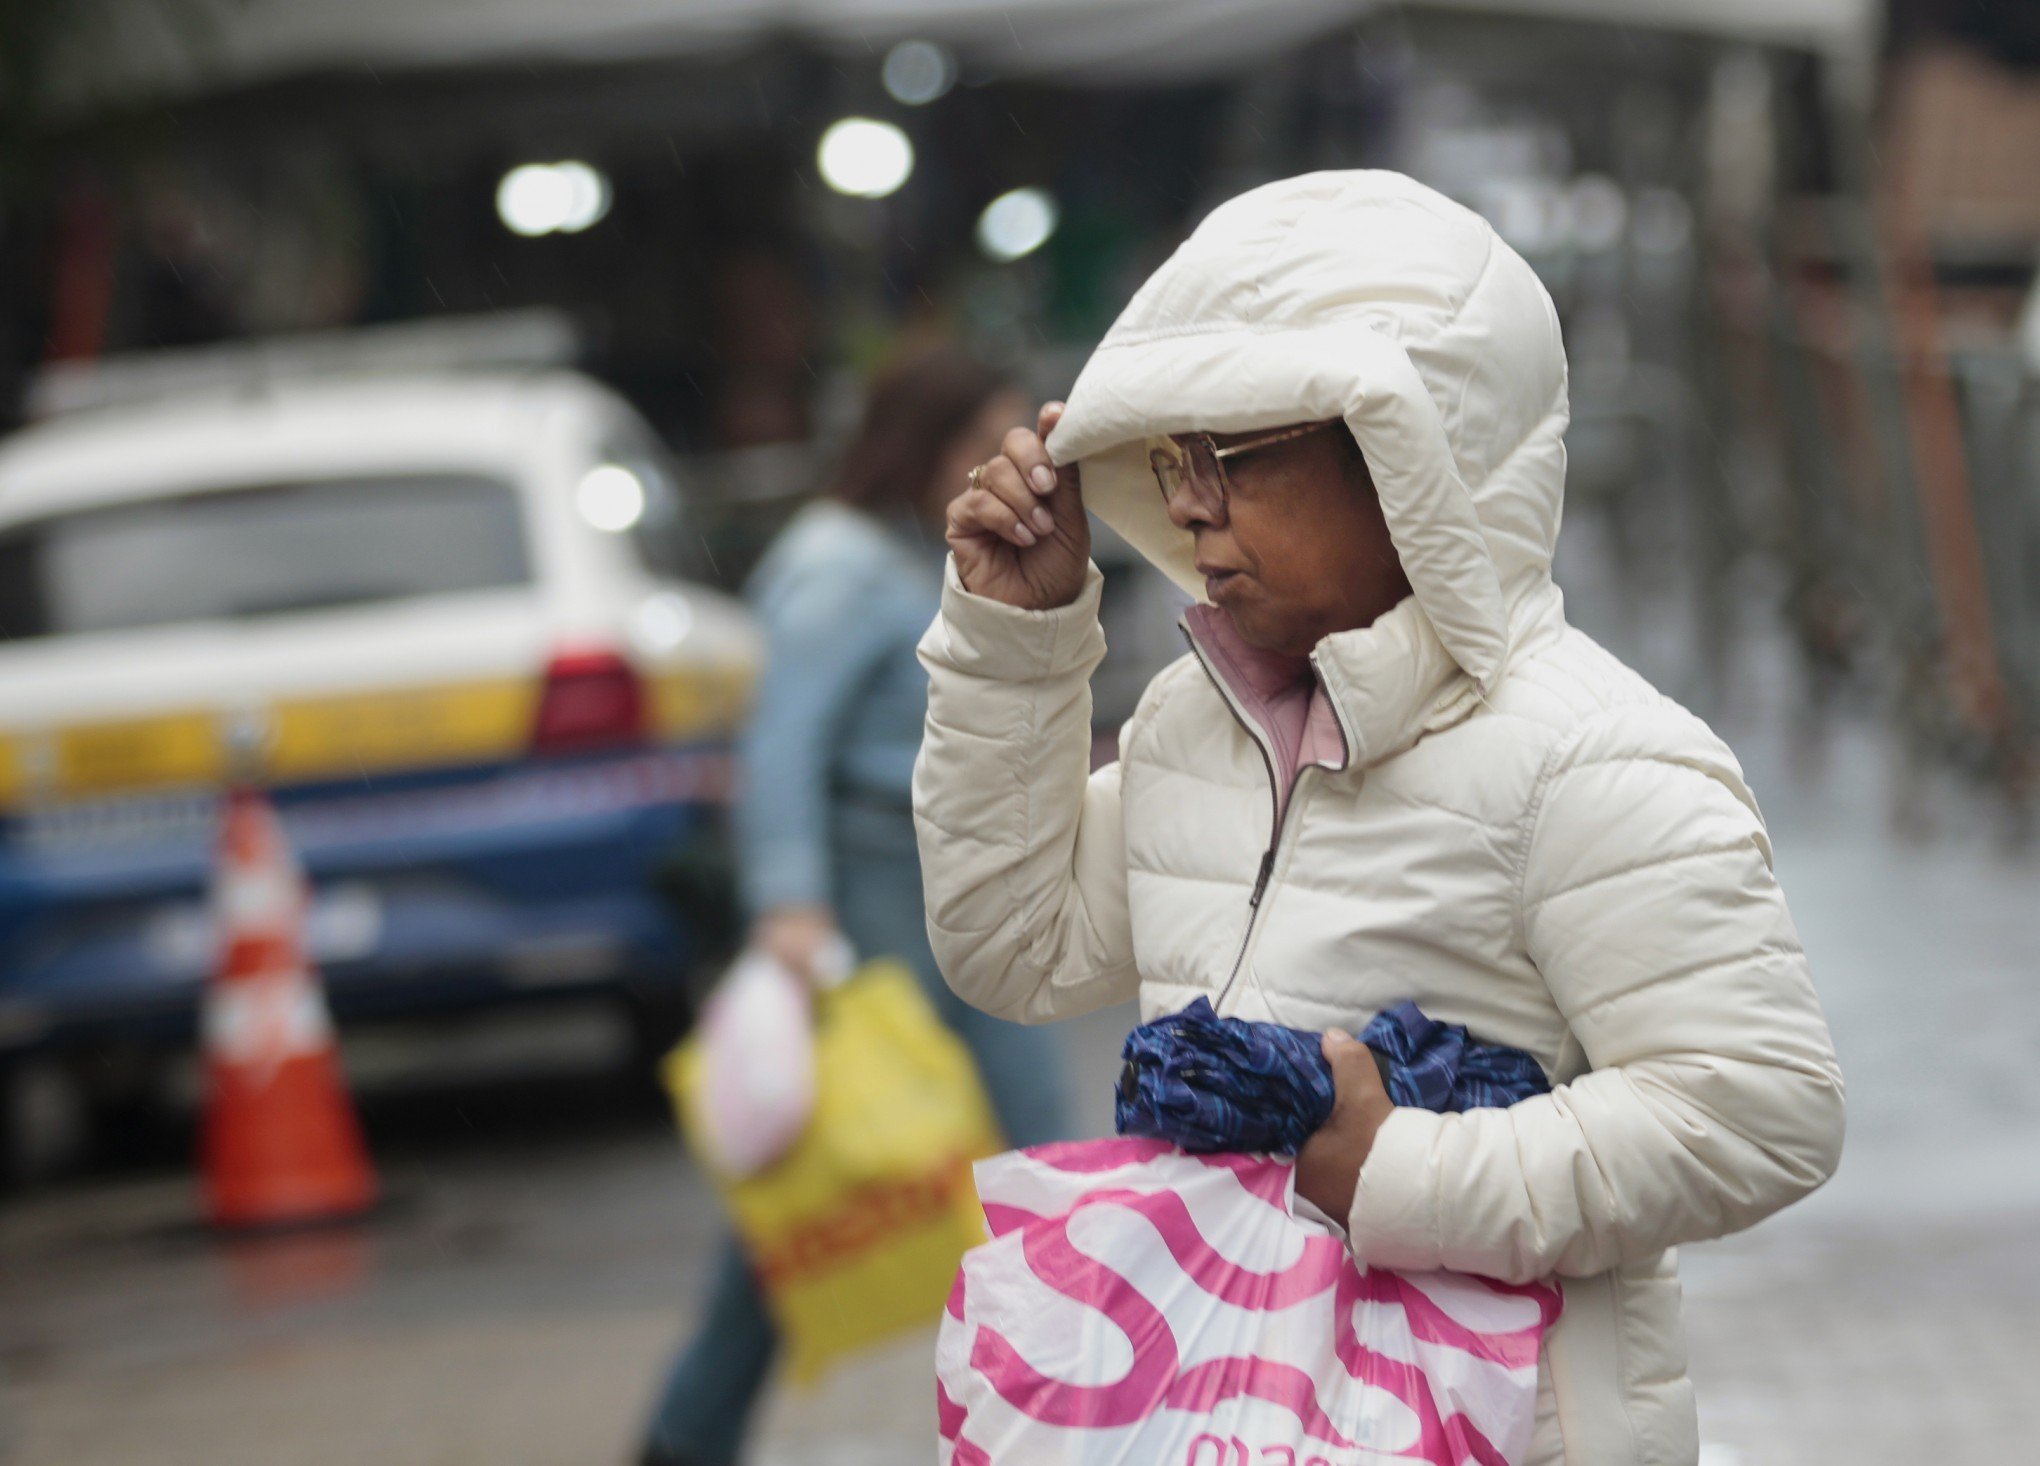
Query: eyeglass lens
(1191,466)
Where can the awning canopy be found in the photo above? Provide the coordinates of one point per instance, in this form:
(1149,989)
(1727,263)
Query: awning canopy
(154,48)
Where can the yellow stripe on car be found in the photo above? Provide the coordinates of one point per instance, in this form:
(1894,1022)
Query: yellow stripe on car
(700,702)
(141,753)
(420,727)
(362,733)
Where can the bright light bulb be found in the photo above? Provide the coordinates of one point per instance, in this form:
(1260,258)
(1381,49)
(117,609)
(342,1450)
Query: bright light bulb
(917,72)
(1017,223)
(611,497)
(533,199)
(864,158)
(549,198)
(587,196)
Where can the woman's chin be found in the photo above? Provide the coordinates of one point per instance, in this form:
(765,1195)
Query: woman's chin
(1252,625)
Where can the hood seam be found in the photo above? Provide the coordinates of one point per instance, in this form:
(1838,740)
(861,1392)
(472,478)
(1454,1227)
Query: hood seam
(1240,327)
(1164,333)
(1272,328)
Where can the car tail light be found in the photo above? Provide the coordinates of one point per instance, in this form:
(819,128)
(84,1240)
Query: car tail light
(592,700)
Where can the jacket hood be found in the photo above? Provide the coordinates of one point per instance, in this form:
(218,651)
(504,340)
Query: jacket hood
(1365,296)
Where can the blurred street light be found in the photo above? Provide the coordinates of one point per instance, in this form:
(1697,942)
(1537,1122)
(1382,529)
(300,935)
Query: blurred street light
(610,497)
(917,72)
(1524,211)
(1598,212)
(1663,223)
(865,158)
(551,198)
(589,196)
(1017,223)
(663,621)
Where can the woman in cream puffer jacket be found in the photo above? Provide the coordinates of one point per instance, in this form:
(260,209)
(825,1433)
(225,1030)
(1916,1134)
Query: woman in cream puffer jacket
(1516,831)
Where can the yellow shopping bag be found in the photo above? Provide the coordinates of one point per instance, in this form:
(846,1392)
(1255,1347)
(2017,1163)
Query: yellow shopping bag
(856,1233)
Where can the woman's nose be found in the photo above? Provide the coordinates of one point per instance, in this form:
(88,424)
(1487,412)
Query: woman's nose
(1188,510)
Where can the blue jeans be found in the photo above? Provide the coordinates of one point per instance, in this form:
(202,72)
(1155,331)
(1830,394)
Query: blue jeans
(705,1409)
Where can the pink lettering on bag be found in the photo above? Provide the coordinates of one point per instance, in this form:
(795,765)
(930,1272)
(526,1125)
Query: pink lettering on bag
(1365,1360)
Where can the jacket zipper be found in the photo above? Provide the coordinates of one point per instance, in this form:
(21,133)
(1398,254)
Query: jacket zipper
(1271,858)
(1278,812)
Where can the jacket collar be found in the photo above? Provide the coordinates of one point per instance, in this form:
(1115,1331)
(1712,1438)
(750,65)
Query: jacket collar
(1392,683)
(1389,683)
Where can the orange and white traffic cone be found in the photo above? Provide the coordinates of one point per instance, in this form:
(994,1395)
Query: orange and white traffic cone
(281,1142)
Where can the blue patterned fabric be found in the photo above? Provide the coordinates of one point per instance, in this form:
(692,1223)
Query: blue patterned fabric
(1208,1083)
(1439,1066)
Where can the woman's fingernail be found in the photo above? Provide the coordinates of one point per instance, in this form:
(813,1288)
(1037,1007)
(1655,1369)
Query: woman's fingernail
(1023,534)
(1044,478)
(1043,520)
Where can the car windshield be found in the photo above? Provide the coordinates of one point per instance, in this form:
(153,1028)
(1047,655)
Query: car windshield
(260,551)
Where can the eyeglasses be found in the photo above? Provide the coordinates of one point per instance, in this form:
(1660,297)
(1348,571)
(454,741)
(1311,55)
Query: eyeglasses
(1194,462)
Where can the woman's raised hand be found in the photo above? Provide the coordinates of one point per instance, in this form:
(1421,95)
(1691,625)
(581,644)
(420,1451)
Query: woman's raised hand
(1018,532)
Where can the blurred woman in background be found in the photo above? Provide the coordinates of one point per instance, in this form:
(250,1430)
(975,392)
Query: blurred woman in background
(825,827)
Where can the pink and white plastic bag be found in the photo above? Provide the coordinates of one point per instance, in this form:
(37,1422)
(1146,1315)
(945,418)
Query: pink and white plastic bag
(758,1065)
(1140,1305)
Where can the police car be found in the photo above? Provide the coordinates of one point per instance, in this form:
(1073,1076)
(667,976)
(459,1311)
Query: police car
(437,615)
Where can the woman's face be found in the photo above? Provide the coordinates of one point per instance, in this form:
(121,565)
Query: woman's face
(1301,550)
(982,439)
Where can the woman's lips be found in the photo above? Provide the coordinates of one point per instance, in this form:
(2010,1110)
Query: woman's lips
(1217,582)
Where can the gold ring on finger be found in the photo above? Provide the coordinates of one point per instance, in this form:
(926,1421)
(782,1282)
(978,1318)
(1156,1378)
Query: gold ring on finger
(977,476)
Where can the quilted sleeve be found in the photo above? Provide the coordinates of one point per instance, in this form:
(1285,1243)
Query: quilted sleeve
(1713,1098)
(1023,854)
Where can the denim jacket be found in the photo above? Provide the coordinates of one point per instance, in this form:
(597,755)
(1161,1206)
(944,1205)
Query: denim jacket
(828,757)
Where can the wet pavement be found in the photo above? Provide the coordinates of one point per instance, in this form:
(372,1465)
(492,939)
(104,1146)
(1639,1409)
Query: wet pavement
(515,1303)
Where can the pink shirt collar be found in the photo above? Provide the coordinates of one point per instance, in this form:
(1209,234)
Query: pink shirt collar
(1285,705)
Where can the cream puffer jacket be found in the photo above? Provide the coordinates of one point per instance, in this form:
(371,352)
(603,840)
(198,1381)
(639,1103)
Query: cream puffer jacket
(1524,836)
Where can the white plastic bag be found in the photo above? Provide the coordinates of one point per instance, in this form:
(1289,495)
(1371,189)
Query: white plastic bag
(1143,1306)
(758,1063)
